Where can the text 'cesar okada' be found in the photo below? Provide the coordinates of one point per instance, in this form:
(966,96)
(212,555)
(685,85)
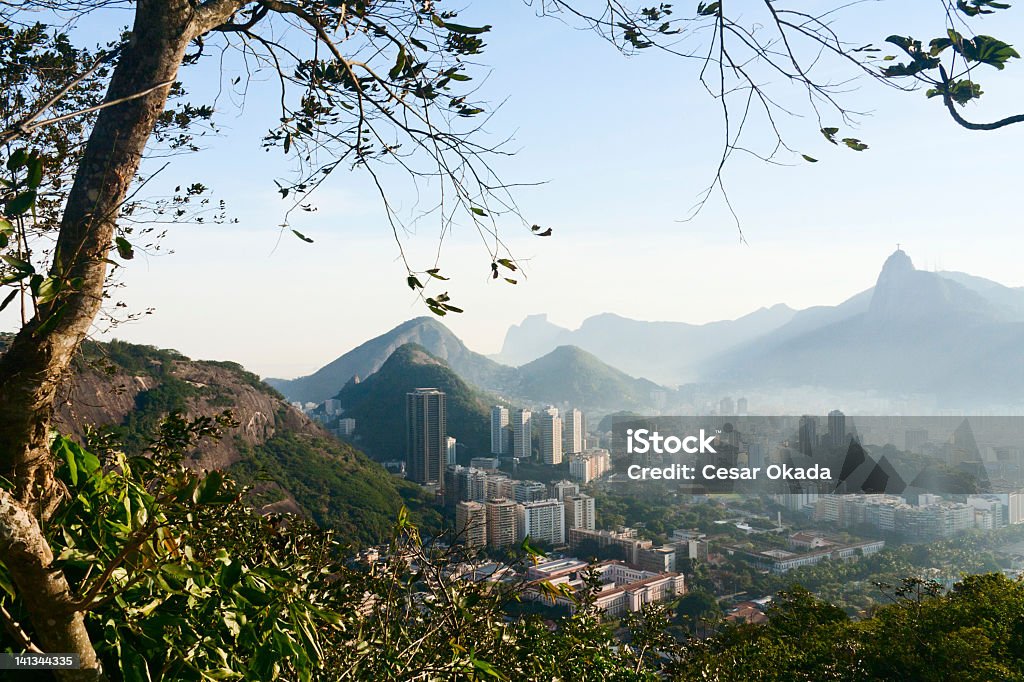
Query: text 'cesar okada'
(644,442)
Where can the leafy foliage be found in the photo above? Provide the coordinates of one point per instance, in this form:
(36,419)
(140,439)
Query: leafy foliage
(971,633)
(335,484)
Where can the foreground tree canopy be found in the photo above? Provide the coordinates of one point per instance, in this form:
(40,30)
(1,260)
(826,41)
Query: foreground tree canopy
(363,86)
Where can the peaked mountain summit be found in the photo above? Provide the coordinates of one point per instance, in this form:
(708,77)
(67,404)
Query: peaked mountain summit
(378,403)
(369,357)
(914,332)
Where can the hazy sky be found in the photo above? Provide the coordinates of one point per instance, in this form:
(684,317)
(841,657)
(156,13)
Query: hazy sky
(625,145)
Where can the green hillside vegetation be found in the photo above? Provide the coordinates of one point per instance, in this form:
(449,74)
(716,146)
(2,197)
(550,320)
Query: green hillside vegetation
(335,484)
(212,590)
(974,633)
(378,404)
(570,374)
(331,482)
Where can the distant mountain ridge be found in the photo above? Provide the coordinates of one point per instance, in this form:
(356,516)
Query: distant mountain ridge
(555,379)
(913,332)
(672,352)
(572,376)
(952,335)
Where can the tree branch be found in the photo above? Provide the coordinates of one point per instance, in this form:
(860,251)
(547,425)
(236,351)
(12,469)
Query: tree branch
(951,107)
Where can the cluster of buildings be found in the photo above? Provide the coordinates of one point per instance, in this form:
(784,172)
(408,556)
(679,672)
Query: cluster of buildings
(331,415)
(493,510)
(558,434)
(430,450)
(621,588)
(932,517)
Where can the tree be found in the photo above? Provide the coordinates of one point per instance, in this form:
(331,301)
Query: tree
(695,606)
(365,83)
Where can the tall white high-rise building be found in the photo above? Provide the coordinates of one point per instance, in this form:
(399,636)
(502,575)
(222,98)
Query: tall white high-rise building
(502,523)
(450,458)
(574,429)
(542,521)
(471,523)
(580,512)
(550,437)
(522,434)
(499,422)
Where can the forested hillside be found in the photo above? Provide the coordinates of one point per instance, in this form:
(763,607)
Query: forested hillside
(292,465)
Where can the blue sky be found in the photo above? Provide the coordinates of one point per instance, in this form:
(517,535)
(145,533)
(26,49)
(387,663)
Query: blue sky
(624,147)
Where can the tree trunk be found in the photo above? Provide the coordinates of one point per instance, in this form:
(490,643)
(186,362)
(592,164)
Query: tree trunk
(40,355)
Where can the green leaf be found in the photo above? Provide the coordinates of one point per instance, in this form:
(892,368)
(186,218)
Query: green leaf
(485,667)
(211,489)
(47,289)
(478,211)
(466,30)
(18,264)
(124,248)
(396,70)
(436,274)
(987,50)
(35,171)
(133,664)
(413,282)
(17,159)
(708,9)
(854,144)
(22,202)
(7,301)
(51,321)
(830,134)
(302,237)
(809,159)
(976,7)
(230,574)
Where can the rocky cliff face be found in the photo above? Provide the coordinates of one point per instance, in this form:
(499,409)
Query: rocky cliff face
(104,393)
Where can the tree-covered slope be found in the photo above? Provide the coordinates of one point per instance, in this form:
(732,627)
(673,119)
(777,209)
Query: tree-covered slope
(292,464)
(571,375)
(378,404)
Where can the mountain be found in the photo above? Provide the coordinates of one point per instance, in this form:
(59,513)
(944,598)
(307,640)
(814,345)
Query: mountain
(572,375)
(914,332)
(673,352)
(369,357)
(291,463)
(533,337)
(378,404)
